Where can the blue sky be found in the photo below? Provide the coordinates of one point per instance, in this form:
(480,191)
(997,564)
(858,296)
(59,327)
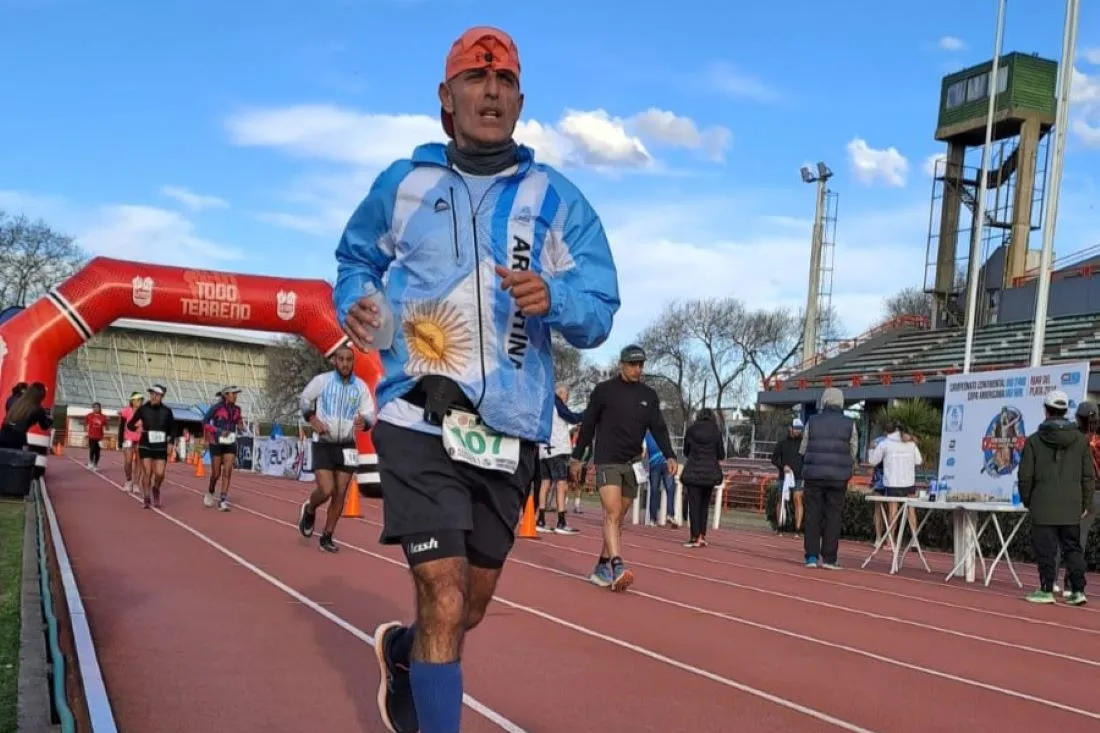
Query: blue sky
(241,135)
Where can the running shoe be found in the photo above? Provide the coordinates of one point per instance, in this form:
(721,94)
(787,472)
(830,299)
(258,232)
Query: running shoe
(208,500)
(223,504)
(395,699)
(831,565)
(305,520)
(601,576)
(328,545)
(1039,596)
(563,528)
(1077,598)
(622,577)
(811,561)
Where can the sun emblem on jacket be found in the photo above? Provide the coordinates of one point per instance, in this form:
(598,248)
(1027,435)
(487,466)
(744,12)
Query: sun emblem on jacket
(438,337)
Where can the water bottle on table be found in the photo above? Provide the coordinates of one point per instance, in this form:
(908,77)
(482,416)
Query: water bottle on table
(1016,500)
(933,489)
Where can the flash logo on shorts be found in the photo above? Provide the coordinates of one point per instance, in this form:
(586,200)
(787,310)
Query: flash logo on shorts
(416,548)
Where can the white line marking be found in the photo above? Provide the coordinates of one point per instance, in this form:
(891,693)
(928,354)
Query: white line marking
(847,609)
(95,690)
(689,668)
(472,703)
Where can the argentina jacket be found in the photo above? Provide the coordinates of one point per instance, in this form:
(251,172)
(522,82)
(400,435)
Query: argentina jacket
(336,402)
(438,248)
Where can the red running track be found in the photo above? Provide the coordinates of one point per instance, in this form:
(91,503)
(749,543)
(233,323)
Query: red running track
(206,620)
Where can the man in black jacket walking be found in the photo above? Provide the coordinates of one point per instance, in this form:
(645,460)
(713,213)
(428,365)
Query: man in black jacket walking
(787,457)
(829,446)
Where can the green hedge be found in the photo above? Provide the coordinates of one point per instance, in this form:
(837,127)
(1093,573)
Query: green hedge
(937,534)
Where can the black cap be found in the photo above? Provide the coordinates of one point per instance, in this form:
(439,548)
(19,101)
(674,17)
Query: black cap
(632,354)
(1087,410)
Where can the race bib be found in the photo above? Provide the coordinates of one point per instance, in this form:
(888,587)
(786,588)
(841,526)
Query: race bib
(468,440)
(127,444)
(351,456)
(641,475)
(156,437)
(227,439)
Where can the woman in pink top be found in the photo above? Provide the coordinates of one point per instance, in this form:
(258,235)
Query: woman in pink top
(128,439)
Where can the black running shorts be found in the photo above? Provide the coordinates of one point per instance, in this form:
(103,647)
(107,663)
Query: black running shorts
(152,454)
(223,449)
(555,468)
(330,457)
(435,507)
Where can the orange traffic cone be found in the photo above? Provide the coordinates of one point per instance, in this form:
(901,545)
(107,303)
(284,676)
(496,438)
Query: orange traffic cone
(351,501)
(527,528)
(199,472)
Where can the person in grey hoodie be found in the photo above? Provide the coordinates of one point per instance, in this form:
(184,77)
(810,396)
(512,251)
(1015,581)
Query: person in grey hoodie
(830,443)
(1056,483)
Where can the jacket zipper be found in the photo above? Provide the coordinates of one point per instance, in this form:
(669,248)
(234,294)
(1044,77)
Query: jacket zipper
(454,225)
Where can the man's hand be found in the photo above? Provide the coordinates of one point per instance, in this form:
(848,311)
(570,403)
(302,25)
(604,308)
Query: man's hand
(358,423)
(527,288)
(673,467)
(318,427)
(363,318)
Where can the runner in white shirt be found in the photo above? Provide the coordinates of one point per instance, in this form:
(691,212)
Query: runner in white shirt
(336,404)
(554,463)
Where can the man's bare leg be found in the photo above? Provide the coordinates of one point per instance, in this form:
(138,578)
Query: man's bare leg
(544,493)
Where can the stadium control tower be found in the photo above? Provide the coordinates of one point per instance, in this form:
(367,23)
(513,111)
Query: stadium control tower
(1023,118)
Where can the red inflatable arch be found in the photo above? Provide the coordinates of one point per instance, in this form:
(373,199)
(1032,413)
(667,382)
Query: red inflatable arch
(34,341)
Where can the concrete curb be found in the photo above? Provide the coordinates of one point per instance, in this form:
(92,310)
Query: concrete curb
(33,714)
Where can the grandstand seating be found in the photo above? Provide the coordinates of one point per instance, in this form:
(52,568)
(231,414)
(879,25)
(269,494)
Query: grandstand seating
(928,355)
(193,367)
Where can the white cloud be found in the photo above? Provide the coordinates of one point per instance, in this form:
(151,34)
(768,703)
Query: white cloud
(870,164)
(951,43)
(592,139)
(1084,97)
(931,162)
(1091,56)
(192,200)
(150,234)
(727,80)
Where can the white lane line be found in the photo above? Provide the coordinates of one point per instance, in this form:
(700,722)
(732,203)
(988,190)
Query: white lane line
(472,703)
(689,668)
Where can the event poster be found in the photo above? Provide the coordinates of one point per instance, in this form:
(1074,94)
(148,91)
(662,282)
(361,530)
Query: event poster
(987,416)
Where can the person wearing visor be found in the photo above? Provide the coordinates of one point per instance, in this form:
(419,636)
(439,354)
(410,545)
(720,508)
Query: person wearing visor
(158,430)
(129,439)
(485,251)
(619,413)
(222,423)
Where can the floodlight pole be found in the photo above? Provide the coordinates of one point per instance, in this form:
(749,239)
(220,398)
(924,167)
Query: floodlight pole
(809,328)
(974,264)
(1065,80)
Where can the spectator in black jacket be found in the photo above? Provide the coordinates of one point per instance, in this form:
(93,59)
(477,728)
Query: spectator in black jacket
(704,447)
(787,458)
(16,391)
(25,411)
(829,447)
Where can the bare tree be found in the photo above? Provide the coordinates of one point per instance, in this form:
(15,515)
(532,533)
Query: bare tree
(908,302)
(291,363)
(673,358)
(711,322)
(33,259)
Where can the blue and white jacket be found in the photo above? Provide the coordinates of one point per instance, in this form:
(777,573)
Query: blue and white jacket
(437,247)
(337,402)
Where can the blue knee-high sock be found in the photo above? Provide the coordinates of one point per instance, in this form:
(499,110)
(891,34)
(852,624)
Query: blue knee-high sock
(437,692)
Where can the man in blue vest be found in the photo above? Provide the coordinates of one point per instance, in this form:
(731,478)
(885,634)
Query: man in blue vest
(830,443)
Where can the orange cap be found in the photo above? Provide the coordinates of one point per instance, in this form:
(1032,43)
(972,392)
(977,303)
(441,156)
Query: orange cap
(482,47)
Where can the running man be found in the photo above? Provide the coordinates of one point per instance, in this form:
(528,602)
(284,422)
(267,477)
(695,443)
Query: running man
(555,463)
(336,404)
(620,411)
(158,430)
(95,424)
(222,423)
(484,251)
(129,440)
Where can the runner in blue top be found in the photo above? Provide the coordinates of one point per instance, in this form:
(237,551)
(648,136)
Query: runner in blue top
(659,478)
(484,252)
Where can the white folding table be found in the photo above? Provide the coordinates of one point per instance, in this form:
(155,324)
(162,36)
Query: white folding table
(887,538)
(968,534)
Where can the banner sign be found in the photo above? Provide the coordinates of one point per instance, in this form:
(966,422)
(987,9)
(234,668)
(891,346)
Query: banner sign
(277,457)
(987,416)
(244,453)
(306,471)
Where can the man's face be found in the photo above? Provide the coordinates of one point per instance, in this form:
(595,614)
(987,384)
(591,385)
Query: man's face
(155,398)
(796,432)
(562,392)
(345,362)
(231,397)
(485,105)
(631,371)
(96,408)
